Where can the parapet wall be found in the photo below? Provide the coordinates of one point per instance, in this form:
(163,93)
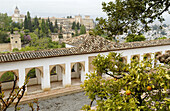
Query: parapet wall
(4,47)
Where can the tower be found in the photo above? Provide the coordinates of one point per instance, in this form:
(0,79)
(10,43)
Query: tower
(78,18)
(15,40)
(17,17)
(16,11)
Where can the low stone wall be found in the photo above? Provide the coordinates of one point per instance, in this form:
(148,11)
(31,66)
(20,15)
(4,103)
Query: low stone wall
(7,85)
(53,78)
(75,75)
(32,81)
(4,47)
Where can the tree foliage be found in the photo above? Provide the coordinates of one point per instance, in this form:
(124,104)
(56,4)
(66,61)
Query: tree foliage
(133,38)
(130,15)
(3,37)
(5,22)
(82,29)
(135,86)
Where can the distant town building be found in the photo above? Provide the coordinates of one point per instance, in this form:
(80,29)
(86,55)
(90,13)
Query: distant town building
(60,37)
(17,17)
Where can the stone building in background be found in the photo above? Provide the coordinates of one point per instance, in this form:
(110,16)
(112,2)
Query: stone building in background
(17,17)
(57,37)
(66,23)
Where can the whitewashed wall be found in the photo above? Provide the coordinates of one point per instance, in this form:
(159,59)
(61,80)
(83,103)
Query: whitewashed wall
(67,60)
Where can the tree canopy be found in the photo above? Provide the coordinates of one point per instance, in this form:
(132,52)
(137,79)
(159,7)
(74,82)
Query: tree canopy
(130,15)
(133,38)
(136,86)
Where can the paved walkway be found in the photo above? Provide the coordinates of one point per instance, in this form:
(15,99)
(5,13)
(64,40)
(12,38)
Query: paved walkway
(51,94)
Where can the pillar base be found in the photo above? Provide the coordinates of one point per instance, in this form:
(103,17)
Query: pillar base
(68,85)
(46,89)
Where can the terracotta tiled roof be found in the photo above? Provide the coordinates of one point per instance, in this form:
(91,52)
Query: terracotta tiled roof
(84,44)
(86,39)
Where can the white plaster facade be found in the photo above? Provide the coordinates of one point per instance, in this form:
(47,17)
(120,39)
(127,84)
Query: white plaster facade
(67,62)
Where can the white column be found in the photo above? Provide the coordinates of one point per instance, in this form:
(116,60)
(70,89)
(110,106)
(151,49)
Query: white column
(45,79)
(22,78)
(129,59)
(86,67)
(153,59)
(38,75)
(82,75)
(67,75)
(59,73)
(141,57)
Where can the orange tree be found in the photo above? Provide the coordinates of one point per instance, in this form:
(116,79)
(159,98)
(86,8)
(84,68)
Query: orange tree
(135,86)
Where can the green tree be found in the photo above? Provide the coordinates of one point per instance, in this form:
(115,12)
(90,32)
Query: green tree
(36,23)
(29,21)
(61,29)
(133,38)
(3,37)
(25,23)
(78,25)
(73,25)
(56,26)
(5,22)
(130,15)
(162,38)
(43,26)
(76,32)
(136,86)
(82,29)
(51,27)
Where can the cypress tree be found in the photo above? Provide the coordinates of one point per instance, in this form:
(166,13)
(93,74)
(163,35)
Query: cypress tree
(43,26)
(73,25)
(29,21)
(82,29)
(56,26)
(78,25)
(25,23)
(36,23)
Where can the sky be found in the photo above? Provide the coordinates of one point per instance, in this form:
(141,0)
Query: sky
(58,8)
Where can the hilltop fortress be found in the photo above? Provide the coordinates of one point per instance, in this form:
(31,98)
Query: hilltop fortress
(65,22)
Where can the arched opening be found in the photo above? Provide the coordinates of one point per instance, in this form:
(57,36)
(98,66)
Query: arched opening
(157,54)
(34,83)
(7,82)
(56,76)
(135,58)
(156,60)
(77,73)
(147,56)
(124,60)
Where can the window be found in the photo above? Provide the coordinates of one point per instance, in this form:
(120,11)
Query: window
(15,41)
(12,37)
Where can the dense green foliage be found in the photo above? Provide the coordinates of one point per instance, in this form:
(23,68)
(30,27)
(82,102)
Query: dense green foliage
(41,43)
(133,38)
(162,38)
(6,77)
(132,16)
(77,26)
(82,29)
(31,73)
(136,86)
(5,22)
(3,37)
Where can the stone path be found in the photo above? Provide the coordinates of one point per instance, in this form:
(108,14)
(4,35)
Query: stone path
(72,102)
(51,93)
